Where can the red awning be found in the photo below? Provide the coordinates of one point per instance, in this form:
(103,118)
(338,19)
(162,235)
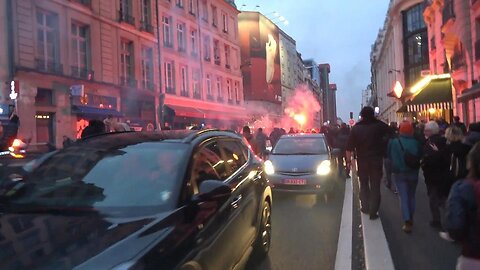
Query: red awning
(226,114)
(182,111)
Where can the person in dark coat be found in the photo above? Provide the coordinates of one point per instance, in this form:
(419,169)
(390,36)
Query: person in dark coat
(435,166)
(463,213)
(341,143)
(275,136)
(95,127)
(261,143)
(473,135)
(387,162)
(457,123)
(368,138)
(458,152)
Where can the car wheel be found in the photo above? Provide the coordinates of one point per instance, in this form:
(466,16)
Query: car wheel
(262,244)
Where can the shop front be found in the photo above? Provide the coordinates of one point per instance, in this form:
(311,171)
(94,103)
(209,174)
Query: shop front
(138,107)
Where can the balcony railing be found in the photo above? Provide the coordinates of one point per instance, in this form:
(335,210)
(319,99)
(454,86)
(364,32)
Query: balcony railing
(210,97)
(146,26)
(238,102)
(448,11)
(197,95)
(170,90)
(217,61)
(230,101)
(168,44)
(184,93)
(458,60)
(206,58)
(124,17)
(82,73)
(84,2)
(477,50)
(220,99)
(182,49)
(48,66)
(227,66)
(128,81)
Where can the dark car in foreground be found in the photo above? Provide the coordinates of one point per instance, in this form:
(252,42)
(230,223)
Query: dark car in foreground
(302,163)
(166,200)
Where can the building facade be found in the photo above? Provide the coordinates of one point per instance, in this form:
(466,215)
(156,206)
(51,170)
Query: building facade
(328,92)
(292,72)
(454,32)
(74,61)
(398,57)
(200,56)
(259,39)
(312,79)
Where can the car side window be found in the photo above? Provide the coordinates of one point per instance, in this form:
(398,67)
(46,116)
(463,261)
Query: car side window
(208,164)
(234,155)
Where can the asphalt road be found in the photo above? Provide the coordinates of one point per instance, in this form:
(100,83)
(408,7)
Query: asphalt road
(304,232)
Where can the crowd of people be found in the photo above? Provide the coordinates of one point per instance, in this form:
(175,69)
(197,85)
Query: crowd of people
(448,156)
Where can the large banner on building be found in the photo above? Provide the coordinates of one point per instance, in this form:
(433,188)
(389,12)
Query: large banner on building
(260,57)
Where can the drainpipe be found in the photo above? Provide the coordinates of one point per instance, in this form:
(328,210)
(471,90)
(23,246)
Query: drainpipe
(10,43)
(158,120)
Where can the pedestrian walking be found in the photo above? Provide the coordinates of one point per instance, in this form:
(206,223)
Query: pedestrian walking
(247,134)
(95,127)
(387,163)
(435,166)
(405,171)
(473,135)
(457,123)
(368,138)
(463,213)
(458,152)
(341,143)
(261,143)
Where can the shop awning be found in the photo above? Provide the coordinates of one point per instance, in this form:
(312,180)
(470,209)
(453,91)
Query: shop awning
(233,114)
(92,111)
(436,94)
(469,94)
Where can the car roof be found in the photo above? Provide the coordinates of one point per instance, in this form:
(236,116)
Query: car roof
(115,139)
(303,135)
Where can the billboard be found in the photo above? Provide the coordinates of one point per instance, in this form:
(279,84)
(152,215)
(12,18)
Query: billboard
(260,51)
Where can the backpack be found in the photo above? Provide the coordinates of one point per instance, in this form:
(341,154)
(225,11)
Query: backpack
(412,161)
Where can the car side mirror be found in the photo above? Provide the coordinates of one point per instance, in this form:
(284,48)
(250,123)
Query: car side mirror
(336,152)
(213,190)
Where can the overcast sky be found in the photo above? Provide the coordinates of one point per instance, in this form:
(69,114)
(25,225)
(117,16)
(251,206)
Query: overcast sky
(338,32)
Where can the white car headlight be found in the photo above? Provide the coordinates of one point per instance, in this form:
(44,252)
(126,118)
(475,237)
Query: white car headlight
(269,169)
(324,168)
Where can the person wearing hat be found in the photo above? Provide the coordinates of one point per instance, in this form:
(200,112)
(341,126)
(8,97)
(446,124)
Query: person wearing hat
(368,138)
(405,175)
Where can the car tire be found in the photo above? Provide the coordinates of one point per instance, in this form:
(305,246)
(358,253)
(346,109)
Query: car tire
(262,243)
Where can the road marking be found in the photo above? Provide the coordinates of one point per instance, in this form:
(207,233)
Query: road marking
(343,260)
(377,252)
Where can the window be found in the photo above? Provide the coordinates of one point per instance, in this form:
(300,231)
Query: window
(196,84)
(193,41)
(204,9)
(216,51)
(180,3)
(147,68)
(227,56)
(167,31)
(44,97)
(234,155)
(234,58)
(146,20)
(208,165)
(192,6)
(181,37)
(229,91)
(126,11)
(184,78)
(168,69)
(80,50)
(126,63)
(415,44)
(219,88)
(209,86)
(214,16)
(206,48)
(48,45)
(237,92)
(225,22)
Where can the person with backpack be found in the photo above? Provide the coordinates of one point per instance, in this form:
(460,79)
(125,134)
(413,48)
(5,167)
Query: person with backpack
(404,153)
(463,213)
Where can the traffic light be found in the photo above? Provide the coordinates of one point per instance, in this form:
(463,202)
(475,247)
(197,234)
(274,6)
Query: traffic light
(351,115)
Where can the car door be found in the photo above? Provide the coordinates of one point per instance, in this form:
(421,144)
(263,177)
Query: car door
(215,239)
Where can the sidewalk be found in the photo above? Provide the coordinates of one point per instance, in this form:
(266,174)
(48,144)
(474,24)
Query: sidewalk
(423,248)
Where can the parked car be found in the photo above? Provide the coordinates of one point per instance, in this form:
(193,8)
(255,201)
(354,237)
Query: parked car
(162,200)
(302,163)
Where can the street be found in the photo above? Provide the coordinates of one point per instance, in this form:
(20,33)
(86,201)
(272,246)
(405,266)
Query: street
(305,232)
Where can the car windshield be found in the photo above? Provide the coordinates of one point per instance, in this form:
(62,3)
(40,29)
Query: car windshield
(136,176)
(300,146)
